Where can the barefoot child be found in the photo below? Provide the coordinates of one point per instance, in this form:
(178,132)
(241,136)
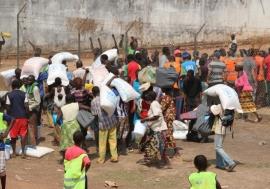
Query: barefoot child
(202,178)
(76,164)
(4,130)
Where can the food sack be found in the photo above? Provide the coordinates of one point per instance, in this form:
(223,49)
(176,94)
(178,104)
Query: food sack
(34,151)
(147,74)
(32,66)
(59,57)
(57,70)
(98,74)
(166,77)
(179,126)
(7,75)
(227,95)
(108,100)
(180,135)
(108,78)
(112,55)
(126,91)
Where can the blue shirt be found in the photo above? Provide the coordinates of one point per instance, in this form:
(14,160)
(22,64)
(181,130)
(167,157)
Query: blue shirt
(6,118)
(189,65)
(42,76)
(136,86)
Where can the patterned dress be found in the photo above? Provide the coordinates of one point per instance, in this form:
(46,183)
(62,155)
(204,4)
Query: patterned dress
(169,113)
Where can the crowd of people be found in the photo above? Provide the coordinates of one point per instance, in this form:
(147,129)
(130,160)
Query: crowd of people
(156,106)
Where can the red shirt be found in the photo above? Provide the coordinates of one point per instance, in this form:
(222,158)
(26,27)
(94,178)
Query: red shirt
(74,152)
(131,68)
(267,65)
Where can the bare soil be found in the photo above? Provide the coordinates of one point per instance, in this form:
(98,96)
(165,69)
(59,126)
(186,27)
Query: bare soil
(252,171)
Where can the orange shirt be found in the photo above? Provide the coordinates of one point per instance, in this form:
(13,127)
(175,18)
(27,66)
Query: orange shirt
(177,68)
(230,66)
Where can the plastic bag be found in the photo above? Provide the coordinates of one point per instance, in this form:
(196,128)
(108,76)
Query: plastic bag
(57,70)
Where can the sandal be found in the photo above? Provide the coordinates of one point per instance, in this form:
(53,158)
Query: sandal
(110,184)
(166,167)
(55,143)
(142,161)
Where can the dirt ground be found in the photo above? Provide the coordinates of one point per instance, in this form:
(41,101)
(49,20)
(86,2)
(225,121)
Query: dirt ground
(252,171)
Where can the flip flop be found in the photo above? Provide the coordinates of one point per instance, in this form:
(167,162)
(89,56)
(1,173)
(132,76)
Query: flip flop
(166,167)
(142,161)
(110,184)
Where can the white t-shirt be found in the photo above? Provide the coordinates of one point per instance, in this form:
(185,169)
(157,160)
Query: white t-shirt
(155,110)
(79,73)
(70,112)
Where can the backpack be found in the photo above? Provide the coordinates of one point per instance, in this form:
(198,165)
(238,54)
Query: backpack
(228,118)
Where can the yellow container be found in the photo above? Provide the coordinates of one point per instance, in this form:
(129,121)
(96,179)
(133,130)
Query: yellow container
(5,34)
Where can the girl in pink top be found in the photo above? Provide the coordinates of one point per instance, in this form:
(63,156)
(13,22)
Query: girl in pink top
(245,92)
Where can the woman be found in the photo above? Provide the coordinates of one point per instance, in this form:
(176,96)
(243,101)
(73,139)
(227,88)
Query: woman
(203,72)
(245,92)
(70,124)
(169,112)
(153,145)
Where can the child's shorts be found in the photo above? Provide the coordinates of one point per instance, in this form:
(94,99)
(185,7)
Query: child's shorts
(2,163)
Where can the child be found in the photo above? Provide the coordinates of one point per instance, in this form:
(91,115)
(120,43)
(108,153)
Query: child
(202,178)
(76,164)
(4,132)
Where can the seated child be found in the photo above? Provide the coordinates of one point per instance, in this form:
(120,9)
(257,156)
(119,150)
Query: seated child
(203,179)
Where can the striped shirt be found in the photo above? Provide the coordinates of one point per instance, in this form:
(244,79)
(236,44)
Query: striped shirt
(81,96)
(105,122)
(216,69)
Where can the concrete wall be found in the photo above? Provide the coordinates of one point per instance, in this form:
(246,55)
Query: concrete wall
(160,22)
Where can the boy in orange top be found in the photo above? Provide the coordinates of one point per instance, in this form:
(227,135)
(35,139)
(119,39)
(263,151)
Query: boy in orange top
(230,66)
(260,91)
(177,66)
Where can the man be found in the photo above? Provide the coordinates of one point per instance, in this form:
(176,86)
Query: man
(233,40)
(222,157)
(34,100)
(95,51)
(217,74)
(107,128)
(17,107)
(37,50)
(260,90)
(192,90)
(132,67)
(17,76)
(103,59)
(164,57)
(123,117)
(80,71)
(230,67)
(177,67)
(1,44)
(133,46)
(267,66)
(76,164)
(250,68)
(187,64)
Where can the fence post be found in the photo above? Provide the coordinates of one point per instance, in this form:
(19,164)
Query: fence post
(79,45)
(195,37)
(18,37)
